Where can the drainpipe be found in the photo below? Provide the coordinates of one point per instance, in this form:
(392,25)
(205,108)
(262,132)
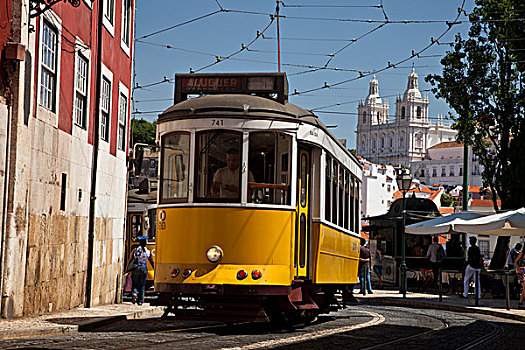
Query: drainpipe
(5,202)
(94,161)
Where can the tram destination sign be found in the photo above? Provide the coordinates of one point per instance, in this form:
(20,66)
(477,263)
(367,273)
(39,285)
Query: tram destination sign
(272,85)
(211,84)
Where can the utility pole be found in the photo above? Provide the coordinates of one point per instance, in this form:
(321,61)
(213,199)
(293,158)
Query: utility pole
(465,190)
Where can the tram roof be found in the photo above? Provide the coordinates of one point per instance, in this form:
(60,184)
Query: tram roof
(245,106)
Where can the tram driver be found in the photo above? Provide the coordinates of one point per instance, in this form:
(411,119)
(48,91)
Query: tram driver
(226,181)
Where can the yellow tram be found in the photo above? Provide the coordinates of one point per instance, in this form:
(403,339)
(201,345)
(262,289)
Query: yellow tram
(141,211)
(258,213)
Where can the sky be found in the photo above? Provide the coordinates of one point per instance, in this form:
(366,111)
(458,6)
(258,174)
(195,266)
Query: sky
(322,44)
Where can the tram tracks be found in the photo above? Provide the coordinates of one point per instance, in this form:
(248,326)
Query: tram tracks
(496,330)
(444,324)
(376,319)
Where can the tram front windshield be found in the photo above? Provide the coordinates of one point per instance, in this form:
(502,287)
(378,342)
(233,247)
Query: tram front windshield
(218,167)
(217,163)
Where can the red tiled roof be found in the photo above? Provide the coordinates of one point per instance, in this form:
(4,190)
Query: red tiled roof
(434,195)
(474,188)
(446,210)
(448,144)
(483,203)
(426,190)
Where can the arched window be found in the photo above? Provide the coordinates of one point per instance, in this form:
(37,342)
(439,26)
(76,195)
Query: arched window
(401,142)
(382,142)
(378,117)
(418,111)
(364,117)
(402,112)
(419,140)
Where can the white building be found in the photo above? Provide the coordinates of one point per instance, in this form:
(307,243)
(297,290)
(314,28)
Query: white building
(444,165)
(378,188)
(406,138)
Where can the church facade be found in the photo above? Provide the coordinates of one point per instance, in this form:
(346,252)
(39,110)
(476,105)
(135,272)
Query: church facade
(404,139)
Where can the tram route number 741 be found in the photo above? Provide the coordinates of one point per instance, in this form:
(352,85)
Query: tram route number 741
(217,122)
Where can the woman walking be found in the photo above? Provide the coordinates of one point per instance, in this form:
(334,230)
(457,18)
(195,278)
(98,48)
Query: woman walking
(138,265)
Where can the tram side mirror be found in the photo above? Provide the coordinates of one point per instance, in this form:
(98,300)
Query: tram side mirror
(179,168)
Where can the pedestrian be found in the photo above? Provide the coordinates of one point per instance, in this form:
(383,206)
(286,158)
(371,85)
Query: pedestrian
(138,265)
(473,268)
(365,261)
(513,255)
(519,262)
(378,267)
(436,254)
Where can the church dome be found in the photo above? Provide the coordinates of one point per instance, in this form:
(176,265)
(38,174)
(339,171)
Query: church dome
(373,92)
(412,91)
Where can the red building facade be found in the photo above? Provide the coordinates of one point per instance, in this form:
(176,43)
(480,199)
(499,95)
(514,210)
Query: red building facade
(64,119)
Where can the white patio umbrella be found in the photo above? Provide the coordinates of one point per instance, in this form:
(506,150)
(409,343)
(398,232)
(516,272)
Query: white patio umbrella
(511,223)
(443,224)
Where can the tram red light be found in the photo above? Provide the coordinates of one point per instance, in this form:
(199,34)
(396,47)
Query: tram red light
(256,274)
(186,273)
(242,274)
(175,273)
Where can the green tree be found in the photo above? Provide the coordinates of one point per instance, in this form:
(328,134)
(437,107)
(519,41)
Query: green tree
(448,201)
(143,131)
(482,81)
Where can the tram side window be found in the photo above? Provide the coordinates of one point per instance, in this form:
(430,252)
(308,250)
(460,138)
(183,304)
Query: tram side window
(327,189)
(152,224)
(174,181)
(352,203)
(341,196)
(357,216)
(217,164)
(269,168)
(346,199)
(334,192)
(136,226)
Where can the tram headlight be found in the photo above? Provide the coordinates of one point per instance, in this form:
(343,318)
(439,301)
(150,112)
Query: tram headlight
(214,254)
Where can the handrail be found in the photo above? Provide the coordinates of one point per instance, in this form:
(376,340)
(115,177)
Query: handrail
(252,185)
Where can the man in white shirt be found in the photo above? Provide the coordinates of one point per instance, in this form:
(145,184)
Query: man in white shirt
(226,181)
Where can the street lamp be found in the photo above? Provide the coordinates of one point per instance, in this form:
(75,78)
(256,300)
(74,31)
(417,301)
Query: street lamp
(403,180)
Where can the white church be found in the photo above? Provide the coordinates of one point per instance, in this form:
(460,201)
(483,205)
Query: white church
(405,139)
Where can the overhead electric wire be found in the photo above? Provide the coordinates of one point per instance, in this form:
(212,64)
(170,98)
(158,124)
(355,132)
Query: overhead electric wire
(219,4)
(243,47)
(390,65)
(353,20)
(183,23)
(353,41)
(354,101)
(444,117)
(291,53)
(358,20)
(328,6)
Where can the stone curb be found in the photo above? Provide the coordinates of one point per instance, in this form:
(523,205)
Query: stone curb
(448,307)
(104,321)
(38,332)
(85,326)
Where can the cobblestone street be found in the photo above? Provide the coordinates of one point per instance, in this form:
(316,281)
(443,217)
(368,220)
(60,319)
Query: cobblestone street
(359,326)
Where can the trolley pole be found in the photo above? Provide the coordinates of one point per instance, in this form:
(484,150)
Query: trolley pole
(278,37)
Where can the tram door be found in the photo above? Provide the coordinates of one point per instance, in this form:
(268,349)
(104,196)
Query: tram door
(302,227)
